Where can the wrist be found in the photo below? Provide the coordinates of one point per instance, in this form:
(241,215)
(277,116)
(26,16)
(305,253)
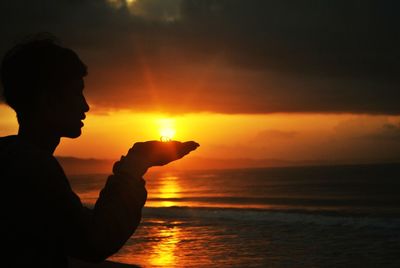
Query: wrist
(131,168)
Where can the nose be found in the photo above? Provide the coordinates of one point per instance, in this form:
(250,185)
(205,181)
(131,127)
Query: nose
(86,107)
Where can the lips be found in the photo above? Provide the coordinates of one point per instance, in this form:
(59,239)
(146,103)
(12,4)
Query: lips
(81,119)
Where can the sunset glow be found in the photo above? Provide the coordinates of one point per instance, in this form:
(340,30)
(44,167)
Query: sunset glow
(167,129)
(292,137)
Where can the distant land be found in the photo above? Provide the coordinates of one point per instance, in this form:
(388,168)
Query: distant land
(75,166)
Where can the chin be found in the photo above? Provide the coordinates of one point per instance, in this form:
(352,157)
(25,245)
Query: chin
(72,133)
(70,128)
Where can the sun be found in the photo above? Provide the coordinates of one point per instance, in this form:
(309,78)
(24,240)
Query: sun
(166,127)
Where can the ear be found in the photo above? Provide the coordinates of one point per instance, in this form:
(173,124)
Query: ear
(44,104)
(42,99)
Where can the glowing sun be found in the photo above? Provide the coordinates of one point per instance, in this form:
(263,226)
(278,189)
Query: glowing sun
(166,129)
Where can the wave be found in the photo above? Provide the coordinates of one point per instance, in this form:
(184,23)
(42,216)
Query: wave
(232,215)
(306,201)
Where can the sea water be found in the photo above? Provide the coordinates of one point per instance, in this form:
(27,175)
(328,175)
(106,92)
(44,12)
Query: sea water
(332,216)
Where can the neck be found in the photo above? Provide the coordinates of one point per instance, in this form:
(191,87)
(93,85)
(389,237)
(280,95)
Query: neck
(35,135)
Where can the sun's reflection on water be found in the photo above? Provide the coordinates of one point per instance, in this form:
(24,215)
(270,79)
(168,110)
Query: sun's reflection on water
(169,188)
(164,251)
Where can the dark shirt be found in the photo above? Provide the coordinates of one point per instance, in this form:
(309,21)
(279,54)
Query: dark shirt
(43,221)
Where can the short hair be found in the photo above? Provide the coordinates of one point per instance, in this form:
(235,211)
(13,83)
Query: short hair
(36,66)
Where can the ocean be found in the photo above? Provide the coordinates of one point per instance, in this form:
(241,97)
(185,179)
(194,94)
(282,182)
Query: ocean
(328,216)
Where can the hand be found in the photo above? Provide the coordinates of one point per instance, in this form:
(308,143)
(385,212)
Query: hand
(144,155)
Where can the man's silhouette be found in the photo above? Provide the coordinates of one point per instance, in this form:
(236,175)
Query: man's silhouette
(43,221)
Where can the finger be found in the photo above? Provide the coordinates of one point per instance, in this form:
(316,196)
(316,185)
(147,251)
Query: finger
(163,145)
(136,147)
(140,147)
(186,148)
(172,150)
(137,144)
(191,145)
(177,146)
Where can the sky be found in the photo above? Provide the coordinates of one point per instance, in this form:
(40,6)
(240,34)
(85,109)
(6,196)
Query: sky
(293,80)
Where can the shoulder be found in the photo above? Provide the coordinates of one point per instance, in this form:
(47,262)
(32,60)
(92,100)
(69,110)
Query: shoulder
(19,157)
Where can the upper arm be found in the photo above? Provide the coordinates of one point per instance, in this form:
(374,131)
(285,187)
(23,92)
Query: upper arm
(91,234)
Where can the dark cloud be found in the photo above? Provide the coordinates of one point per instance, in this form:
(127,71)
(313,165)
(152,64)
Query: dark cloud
(230,56)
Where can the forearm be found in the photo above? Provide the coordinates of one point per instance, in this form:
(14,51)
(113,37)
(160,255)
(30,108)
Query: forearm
(116,215)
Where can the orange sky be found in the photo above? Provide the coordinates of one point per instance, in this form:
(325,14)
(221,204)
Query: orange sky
(258,80)
(294,137)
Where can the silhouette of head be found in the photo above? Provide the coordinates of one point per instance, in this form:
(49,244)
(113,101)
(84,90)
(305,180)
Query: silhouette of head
(43,83)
